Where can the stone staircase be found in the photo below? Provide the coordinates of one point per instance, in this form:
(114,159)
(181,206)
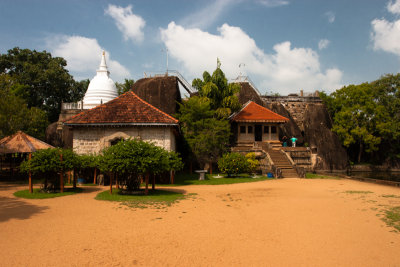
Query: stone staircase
(281,161)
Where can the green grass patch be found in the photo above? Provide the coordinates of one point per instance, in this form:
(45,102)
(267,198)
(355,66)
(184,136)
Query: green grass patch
(310,175)
(392,217)
(391,196)
(38,194)
(155,198)
(89,184)
(357,192)
(193,179)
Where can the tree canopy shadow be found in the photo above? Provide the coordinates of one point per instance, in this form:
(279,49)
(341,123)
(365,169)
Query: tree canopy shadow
(12,208)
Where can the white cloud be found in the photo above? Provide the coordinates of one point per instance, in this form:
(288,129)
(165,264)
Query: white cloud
(394,7)
(286,70)
(323,43)
(385,35)
(330,16)
(83,56)
(129,24)
(208,15)
(273,3)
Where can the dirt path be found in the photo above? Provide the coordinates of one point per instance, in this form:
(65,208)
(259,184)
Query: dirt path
(287,222)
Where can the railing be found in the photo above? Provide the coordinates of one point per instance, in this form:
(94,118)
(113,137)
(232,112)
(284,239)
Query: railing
(249,81)
(177,74)
(66,106)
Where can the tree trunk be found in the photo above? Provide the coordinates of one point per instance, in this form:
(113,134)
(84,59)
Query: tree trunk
(153,185)
(74,179)
(30,177)
(360,152)
(111,180)
(95,176)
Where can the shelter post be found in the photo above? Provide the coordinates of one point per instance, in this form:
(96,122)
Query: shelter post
(30,176)
(146,190)
(61,176)
(116,181)
(95,175)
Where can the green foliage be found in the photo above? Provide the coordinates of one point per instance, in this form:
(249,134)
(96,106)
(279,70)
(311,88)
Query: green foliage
(366,117)
(49,160)
(223,96)
(15,114)
(125,86)
(207,136)
(233,163)
(45,83)
(48,163)
(132,158)
(253,163)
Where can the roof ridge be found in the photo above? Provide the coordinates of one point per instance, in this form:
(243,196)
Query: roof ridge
(151,106)
(270,110)
(93,108)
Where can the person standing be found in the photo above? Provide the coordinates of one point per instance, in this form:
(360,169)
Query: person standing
(284,141)
(293,139)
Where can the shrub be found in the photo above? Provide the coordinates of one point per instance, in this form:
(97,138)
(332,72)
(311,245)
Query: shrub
(253,163)
(233,163)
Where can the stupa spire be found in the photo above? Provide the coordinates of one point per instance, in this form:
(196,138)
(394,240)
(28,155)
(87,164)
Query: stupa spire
(103,65)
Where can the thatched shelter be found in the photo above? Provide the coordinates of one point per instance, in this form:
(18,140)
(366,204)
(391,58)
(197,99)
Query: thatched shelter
(15,148)
(20,142)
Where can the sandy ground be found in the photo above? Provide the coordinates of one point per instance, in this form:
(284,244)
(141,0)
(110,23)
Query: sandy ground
(286,222)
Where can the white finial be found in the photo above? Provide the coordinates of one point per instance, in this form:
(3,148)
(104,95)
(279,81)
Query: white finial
(103,65)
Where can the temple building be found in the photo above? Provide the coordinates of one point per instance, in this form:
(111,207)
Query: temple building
(124,117)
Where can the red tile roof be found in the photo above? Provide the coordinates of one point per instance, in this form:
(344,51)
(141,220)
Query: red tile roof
(20,142)
(125,109)
(253,112)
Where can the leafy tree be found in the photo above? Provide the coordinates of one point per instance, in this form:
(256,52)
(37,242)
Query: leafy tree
(233,163)
(125,86)
(131,159)
(46,82)
(223,96)
(207,136)
(366,118)
(48,163)
(15,114)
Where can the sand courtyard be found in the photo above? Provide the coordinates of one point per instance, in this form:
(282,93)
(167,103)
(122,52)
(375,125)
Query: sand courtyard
(284,222)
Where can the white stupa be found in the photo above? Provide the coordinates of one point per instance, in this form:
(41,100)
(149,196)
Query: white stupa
(101,88)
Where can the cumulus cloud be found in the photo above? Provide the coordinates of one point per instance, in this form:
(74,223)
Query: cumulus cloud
(285,70)
(129,24)
(273,3)
(323,43)
(83,56)
(330,16)
(394,7)
(385,35)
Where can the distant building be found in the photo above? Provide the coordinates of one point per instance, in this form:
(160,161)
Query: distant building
(124,117)
(255,123)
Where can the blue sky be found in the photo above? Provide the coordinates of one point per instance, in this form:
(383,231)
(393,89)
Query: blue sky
(282,45)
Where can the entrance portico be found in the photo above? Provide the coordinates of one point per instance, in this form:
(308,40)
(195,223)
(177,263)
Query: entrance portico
(254,123)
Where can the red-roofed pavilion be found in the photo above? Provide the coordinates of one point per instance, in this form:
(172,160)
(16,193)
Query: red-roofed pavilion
(255,123)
